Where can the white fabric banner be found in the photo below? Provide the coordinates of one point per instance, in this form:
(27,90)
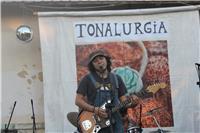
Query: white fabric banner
(161,49)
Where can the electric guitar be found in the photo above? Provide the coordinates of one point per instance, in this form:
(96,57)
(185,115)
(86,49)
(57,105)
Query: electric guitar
(89,122)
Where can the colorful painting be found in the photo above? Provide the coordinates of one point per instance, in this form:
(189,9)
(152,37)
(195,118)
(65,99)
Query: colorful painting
(143,66)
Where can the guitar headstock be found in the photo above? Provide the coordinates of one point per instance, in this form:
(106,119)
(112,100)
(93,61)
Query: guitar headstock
(155,87)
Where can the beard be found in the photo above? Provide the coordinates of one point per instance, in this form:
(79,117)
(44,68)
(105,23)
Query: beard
(101,68)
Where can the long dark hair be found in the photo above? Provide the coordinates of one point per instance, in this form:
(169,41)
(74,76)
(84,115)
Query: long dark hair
(92,69)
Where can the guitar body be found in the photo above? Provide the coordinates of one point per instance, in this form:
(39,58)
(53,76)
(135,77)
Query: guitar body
(86,122)
(90,123)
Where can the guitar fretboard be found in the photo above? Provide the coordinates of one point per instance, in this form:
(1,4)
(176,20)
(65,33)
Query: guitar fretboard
(121,105)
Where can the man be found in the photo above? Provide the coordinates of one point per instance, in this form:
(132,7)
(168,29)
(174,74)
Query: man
(99,87)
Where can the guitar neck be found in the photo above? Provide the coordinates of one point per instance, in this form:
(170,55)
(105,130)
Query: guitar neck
(121,105)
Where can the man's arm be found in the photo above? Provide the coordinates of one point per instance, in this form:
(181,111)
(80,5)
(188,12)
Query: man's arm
(81,103)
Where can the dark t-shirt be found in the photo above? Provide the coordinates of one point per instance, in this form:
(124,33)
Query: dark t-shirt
(88,88)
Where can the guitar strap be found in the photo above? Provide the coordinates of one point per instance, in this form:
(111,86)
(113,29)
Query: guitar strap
(94,82)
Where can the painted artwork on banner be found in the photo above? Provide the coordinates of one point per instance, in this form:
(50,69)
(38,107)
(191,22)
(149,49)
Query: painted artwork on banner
(143,66)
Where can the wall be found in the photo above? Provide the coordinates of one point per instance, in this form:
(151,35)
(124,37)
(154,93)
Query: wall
(21,69)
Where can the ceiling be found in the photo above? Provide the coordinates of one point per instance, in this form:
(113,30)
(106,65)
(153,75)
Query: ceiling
(93,5)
